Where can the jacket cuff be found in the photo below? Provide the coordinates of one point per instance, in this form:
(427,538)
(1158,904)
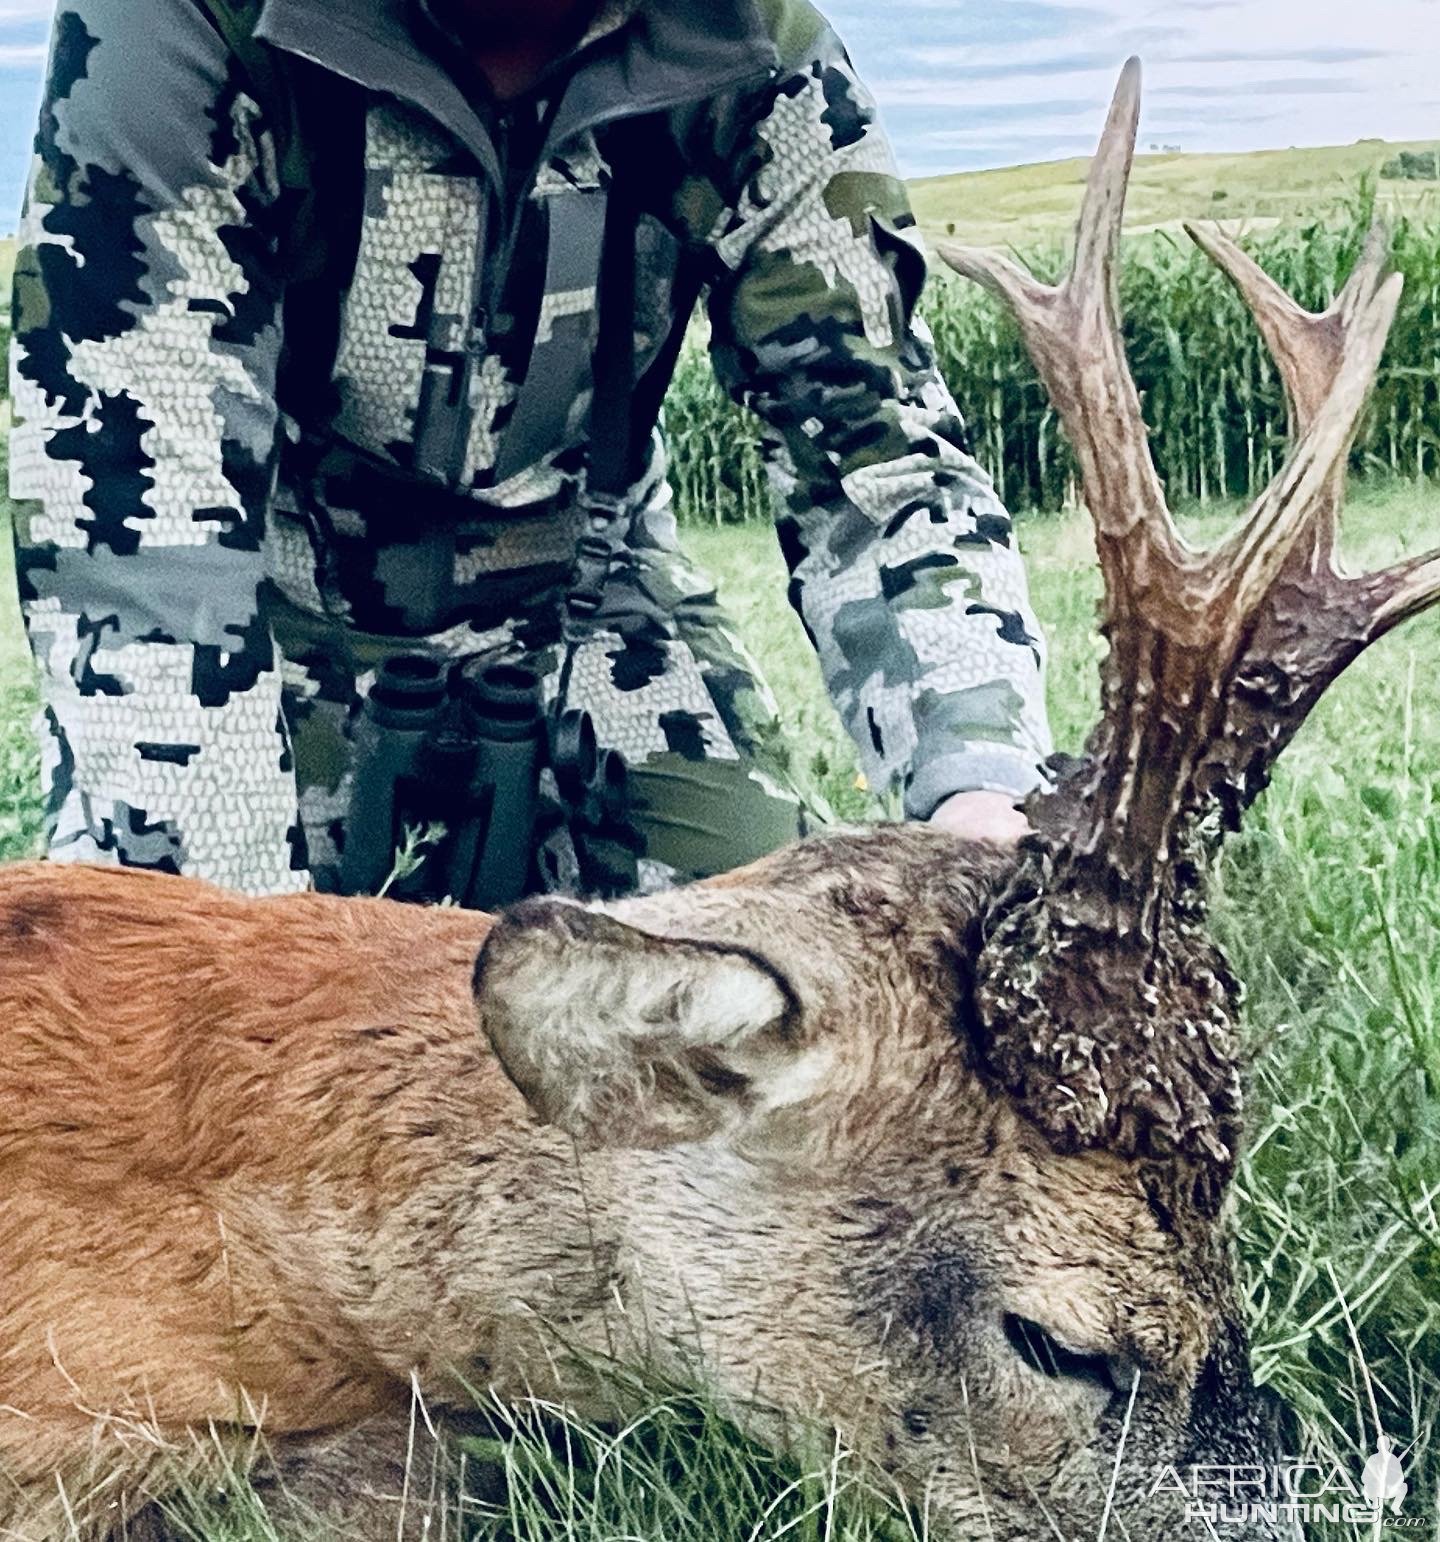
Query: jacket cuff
(979,768)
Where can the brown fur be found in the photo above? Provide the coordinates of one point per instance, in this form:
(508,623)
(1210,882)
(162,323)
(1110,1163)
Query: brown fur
(259,1170)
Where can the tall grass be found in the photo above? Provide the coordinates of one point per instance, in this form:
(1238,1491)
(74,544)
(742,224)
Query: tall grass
(1211,394)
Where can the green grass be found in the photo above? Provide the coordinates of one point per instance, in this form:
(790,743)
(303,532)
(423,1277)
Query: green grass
(677,1471)
(19,783)
(1330,907)
(1032,205)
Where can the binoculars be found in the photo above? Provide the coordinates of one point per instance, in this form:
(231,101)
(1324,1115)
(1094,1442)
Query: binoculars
(458,753)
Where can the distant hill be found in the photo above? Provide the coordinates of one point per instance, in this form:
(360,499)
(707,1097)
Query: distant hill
(1023,205)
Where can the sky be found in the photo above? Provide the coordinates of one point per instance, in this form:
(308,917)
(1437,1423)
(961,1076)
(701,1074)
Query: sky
(966,84)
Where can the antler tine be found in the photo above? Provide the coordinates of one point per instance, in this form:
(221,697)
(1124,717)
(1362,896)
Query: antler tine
(1370,272)
(1092,277)
(1288,507)
(1307,346)
(1403,591)
(1090,284)
(1073,334)
(1026,296)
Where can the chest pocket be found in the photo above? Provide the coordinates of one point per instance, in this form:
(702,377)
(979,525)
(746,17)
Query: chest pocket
(407,318)
(418,381)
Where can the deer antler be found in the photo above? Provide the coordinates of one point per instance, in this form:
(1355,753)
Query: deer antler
(1103,1006)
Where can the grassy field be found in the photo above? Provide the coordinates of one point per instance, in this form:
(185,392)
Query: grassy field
(1330,907)
(1025,205)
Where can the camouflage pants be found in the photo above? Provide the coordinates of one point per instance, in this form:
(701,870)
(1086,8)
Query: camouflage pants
(678,696)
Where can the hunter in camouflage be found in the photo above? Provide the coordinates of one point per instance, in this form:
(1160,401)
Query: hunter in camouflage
(231,514)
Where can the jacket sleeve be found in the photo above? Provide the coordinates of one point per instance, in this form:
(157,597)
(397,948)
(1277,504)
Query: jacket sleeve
(146,337)
(904,565)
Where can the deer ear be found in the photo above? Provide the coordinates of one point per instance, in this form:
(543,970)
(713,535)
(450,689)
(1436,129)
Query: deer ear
(624,1038)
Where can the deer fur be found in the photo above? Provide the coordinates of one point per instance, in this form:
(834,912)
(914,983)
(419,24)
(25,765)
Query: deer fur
(260,1170)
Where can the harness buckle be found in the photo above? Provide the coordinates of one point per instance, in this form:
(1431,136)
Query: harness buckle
(602,509)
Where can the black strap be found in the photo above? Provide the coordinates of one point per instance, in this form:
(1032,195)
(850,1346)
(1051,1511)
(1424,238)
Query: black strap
(562,357)
(611,471)
(649,394)
(321,241)
(612,468)
(317,121)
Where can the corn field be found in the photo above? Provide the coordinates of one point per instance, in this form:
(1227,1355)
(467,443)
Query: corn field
(1212,398)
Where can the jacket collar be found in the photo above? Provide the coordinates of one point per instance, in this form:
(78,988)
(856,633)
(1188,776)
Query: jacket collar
(610,16)
(372,42)
(640,56)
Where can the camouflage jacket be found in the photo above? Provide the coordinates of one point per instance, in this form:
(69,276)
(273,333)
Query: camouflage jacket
(162,484)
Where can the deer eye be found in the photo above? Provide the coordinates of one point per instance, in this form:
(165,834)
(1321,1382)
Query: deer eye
(1042,1352)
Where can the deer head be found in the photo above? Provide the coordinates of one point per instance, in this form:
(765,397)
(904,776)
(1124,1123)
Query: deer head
(932,1139)
(1107,1012)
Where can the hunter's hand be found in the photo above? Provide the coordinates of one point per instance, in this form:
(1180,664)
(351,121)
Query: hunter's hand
(982,816)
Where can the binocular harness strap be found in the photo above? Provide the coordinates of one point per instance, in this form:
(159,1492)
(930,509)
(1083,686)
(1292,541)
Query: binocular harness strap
(611,469)
(566,342)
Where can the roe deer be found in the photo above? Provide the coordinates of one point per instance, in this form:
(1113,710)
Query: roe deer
(922,1138)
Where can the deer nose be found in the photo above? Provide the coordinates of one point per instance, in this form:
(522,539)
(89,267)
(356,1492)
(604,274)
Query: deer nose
(1231,1419)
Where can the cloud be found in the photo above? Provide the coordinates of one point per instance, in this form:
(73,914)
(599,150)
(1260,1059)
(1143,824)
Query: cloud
(1303,85)
(1188,122)
(24,28)
(970,139)
(1275,72)
(954,63)
(981,113)
(1021,94)
(1285,56)
(970,24)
